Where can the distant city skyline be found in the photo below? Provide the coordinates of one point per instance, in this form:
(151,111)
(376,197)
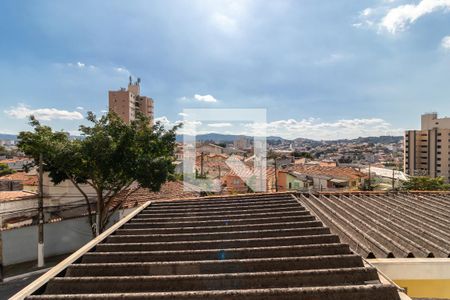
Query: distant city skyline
(323,70)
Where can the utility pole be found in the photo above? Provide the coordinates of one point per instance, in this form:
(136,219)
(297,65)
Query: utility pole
(1,254)
(276,177)
(393,179)
(41,214)
(370,180)
(201,164)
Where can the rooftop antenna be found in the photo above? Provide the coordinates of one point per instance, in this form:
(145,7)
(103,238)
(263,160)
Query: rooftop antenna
(138,80)
(131,80)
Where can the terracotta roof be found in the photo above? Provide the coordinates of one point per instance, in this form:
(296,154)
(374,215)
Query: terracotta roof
(16,195)
(25,178)
(170,190)
(384,225)
(13,160)
(334,172)
(242,247)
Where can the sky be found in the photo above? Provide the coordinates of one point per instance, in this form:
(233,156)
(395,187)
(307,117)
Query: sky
(322,69)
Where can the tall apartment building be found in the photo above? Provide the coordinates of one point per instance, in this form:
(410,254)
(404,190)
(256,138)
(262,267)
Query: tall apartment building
(427,151)
(127,102)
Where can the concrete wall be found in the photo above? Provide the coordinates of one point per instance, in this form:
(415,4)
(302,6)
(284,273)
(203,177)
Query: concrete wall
(420,277)
(20,244)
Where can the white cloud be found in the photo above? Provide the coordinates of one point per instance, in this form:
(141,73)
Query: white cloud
(199,98)
(183,114)
(22,111)
(80,108)
(74,132)
(163,120)
(80,65)
(205,98)
(122,70)
(398,18)
(331,59)
(315,129)
(445,43)
(368,11)
(368,17)
(229,16)
(189,127)
(183,99)
(307,128)
(220,125)
(226,23)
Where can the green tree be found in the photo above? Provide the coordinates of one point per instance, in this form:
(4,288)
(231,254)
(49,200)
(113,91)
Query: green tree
(3,150)
(299,154)
(111,156)
(5,170)
(422,183)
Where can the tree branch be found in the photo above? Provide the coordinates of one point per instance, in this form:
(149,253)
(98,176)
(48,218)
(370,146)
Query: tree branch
(87,203)
(110,212)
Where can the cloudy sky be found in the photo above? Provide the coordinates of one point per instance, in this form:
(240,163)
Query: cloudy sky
(322,69)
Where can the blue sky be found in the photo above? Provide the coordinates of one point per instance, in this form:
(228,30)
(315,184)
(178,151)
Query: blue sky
(322,69)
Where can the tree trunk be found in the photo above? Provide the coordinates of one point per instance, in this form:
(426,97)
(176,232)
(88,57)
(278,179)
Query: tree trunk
(99,212)
(91,223)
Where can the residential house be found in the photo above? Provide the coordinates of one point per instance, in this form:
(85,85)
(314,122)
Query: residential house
(331,177)
(235,182)
(209,149)
(17,163)
(292,181)
(19,181)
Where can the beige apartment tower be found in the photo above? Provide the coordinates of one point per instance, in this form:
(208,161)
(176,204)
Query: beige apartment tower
(126,103)
(427,150)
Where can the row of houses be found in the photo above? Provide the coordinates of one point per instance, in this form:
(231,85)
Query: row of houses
(16,163)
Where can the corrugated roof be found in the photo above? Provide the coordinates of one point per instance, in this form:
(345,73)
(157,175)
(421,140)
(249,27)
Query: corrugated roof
(240,247)
(387,225)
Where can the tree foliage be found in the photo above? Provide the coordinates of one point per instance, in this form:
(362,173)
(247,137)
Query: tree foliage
(300,154)
(110,157)
(422,183)
(5,170)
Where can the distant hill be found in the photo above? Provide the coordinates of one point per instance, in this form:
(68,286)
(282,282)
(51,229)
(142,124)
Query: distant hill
(4,136)
(227,138)
(373,139)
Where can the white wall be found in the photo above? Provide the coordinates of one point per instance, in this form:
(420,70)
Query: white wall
(20,244)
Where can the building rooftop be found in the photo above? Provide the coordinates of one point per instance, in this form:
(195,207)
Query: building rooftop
(137,196)
(255,246)
(16,195)
(332,172)
(26,179)
(380,225)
